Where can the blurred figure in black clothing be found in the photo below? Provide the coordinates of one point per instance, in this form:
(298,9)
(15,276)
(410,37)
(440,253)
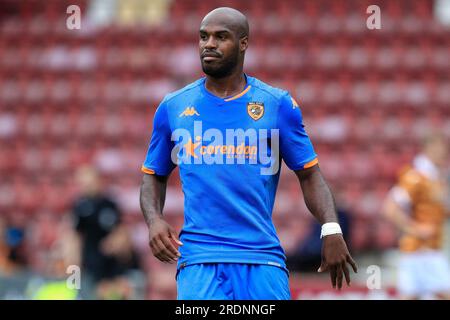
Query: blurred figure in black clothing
(107,253)
(307,257)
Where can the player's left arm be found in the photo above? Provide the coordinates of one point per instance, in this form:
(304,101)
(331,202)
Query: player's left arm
(320,201)
(298,153)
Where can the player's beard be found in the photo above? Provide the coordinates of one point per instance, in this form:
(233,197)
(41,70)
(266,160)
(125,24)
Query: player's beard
(223,67)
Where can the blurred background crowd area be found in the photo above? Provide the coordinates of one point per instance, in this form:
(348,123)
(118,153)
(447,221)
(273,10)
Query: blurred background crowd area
(72,98)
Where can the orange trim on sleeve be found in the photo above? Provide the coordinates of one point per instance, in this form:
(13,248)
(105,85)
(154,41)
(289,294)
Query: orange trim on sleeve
(239,95)
(311,163)
(148,171)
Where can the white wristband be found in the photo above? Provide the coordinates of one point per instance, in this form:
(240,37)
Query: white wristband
(330,228)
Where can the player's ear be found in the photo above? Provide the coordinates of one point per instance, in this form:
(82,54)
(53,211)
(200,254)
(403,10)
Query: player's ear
(243,43)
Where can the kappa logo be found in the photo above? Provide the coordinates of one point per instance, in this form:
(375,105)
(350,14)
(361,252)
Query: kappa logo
(255,110)
(189,112)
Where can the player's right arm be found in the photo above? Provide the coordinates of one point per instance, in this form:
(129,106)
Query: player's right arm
(161,235)
(157,167)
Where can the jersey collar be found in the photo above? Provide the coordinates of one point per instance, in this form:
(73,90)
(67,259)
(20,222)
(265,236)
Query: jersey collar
(227,99)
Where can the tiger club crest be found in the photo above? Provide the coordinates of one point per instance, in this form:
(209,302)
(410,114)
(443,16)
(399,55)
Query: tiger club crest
(255,110)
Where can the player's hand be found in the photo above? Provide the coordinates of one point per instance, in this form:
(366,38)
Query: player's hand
(163,240)
(335,257)
(423,231)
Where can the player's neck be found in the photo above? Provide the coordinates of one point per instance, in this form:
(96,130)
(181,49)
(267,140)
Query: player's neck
(228,86)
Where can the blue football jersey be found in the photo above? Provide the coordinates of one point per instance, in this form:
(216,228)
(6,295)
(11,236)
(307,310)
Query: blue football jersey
(229,152)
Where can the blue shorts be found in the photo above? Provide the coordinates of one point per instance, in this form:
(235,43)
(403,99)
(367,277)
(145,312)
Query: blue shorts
(232,281)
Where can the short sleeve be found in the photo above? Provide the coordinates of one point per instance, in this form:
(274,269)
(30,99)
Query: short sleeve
(296,148)
(158,160)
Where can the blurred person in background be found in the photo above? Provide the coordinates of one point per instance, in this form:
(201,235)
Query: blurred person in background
(12,244)
(417,207)
(107,253)
(59,248)
(5,263)
(119,246)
